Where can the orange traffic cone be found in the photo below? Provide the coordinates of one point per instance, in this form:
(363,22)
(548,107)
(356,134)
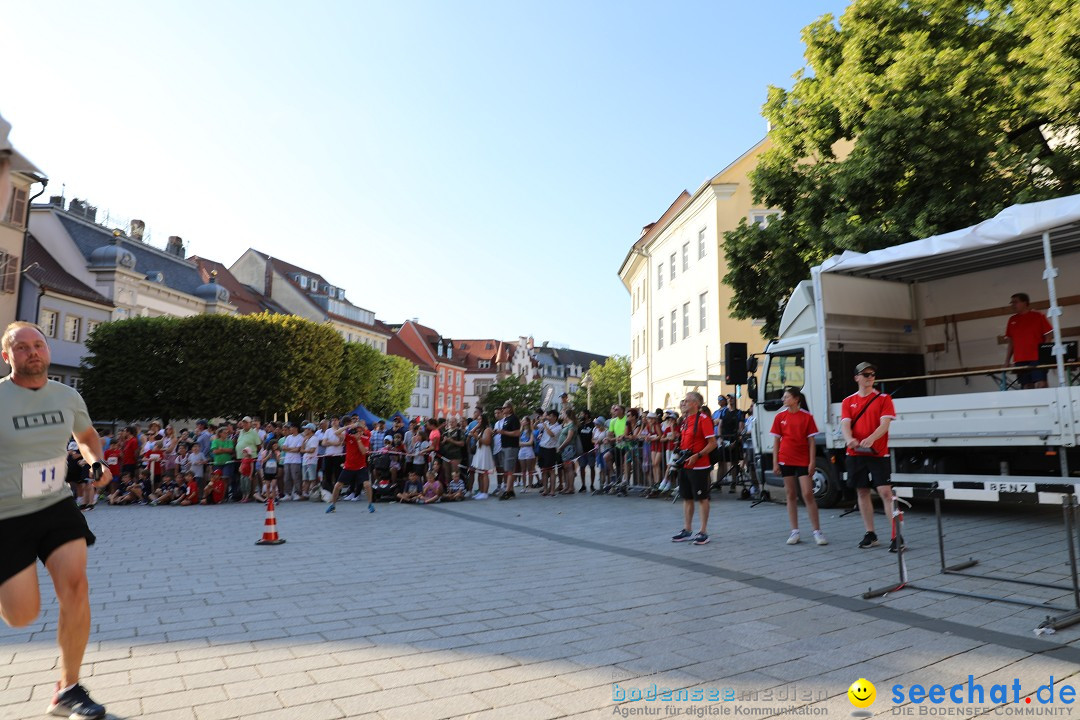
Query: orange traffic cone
(270,536)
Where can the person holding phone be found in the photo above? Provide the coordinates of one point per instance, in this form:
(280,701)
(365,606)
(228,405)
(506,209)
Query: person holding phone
(865,418)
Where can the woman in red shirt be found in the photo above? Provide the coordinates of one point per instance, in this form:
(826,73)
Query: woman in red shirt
(793,457)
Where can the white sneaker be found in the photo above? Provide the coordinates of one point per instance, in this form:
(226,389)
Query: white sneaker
(480,496)
(819,538)
(295,496)
(350,497)
(793,538)
(283,498)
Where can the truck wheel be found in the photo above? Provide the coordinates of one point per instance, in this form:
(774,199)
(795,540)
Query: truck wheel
(827,490)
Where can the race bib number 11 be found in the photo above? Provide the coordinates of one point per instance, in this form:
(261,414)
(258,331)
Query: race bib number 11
(44,477)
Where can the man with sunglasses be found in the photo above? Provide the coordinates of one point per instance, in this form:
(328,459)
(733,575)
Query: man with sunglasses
(865,419)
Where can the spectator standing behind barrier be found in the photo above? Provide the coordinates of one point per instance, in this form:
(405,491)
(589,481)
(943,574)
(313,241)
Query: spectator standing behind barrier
(222,451)
(587,460)
(794,455)
(333,445)
(483,461)
(1025,331)
(865,418)
(290,446)
(247,439)
(699,438)
(511,437)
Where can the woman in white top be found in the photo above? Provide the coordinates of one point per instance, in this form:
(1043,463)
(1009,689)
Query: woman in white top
(483,462)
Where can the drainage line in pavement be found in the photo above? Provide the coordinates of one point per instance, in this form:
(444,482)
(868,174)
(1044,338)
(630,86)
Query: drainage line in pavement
(904,617)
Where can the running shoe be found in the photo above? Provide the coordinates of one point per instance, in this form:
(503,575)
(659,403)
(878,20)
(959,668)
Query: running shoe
(75,704)
(869,540)
(892,546)
(370,508)
(701,539)
(330,508)
(793,538)
(683,536)
(819,538)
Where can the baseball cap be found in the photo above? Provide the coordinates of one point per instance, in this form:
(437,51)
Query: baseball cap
(864,366)
(310,426)
(246,418)
(651,415)
(600,420)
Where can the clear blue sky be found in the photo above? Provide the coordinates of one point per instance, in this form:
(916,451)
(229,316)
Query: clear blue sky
(482,166)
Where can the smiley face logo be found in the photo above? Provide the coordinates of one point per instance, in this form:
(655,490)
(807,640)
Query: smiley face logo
(862,693)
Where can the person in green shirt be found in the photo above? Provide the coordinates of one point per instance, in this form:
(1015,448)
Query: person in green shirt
(223,452)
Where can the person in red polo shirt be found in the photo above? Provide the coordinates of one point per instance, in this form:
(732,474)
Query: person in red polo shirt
(1026,330)
(865,419)
(698,437)
(794,453)
(354,473)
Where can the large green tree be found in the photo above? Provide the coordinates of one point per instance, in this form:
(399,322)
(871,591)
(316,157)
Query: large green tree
(911,118)
(397,378)
(524,395)
(610,385)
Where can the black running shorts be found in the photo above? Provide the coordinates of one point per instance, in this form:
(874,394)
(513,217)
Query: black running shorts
(694,484)
(27,538)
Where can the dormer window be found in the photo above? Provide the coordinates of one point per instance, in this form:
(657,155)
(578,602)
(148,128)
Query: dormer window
(341,293)
(440,348)
(450,350)
(303,280)
(314,285)
(330,290)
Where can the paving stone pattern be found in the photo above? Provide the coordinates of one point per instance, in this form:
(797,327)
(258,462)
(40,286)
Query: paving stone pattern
(535,608)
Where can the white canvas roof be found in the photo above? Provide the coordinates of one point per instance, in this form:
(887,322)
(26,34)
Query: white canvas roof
(1013,235)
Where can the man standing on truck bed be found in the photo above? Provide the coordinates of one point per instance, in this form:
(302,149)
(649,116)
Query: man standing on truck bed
(865,419)
(1025,331)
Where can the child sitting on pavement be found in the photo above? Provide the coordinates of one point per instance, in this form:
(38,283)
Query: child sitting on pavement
(455,489)
(214,492)
(123,495)
(191,487)
(432,489)
(411,492)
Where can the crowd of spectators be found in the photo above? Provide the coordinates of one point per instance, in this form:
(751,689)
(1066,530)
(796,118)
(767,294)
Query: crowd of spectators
(556,451)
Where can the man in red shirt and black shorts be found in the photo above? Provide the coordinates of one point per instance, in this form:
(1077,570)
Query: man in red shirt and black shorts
(698,437)
(354,472)
(865,418)
(1023,334)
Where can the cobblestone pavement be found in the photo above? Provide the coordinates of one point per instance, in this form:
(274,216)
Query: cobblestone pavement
(540,608)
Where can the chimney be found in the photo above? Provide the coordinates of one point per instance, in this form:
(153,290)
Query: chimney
(268,279)
(175,246)
(77,207)
(57,201)
(91,213)
(138,227)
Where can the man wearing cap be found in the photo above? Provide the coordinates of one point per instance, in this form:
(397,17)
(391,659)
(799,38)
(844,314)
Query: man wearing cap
(38,516)
(865,418)
(510,431)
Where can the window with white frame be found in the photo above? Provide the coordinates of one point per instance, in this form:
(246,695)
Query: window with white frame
(660,276)
(701,243)
(685,320)
(91,326)
(674,328)
(427,381)
(415,401)
(440,404)
(660,334)
(424,401)
(442,375)
(75,381)
(762,218)
(672,266)
(457,403)
(57,378)
(48,320)
(16,209)
(702,313)
(685,257)
(72,328)
(483,364)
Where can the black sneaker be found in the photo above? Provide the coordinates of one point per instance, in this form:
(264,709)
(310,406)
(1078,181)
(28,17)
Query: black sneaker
(892,545)
(701,539)
(75,704)
(683,536)
(508,495)
(869,540)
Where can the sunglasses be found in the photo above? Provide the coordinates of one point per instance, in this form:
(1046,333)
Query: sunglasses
(868,374)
